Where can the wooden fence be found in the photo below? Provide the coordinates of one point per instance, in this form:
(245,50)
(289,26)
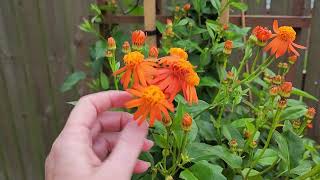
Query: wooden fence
(40,44)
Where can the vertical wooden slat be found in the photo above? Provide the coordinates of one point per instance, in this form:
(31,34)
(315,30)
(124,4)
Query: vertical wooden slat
(313,76)
(150,20)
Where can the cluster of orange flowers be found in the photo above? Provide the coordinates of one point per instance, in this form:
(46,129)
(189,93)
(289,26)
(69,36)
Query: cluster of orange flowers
(282,39)
(155,82)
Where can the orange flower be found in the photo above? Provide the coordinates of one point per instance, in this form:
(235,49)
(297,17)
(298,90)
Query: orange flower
(177,74)
(151,102)
(136,66)
(283,41)
(153,52)
(179,53)
(187,7)
(263,34)
(138,37)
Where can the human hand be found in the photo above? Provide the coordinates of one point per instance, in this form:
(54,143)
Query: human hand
(97,144)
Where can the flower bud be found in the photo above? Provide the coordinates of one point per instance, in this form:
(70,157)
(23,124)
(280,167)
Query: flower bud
(186,122)
(138,38)
(169,178)
(253,144)
(282,103)
(166,122)
(292,59)
(263,34)
(296,124)
(267,78)
(177,8)
(111,43)
(274,91)
(233,144)
(169,22)
(309,126)
(230,75)
(246,134)
(277,80)
(285,89)
(153,52)
(225,27)
(187,7)
(126,47)
(228,45)
(310,113)
(165,152)
(109,54)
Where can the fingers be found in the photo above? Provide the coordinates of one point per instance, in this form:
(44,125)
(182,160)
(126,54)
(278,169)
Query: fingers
(127,149)
(107,141)
(87,109)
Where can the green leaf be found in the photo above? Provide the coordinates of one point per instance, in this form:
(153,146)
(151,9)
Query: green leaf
(206,130)
(216,4)
(72,103)
(231,132)
(239,5)
(303,167)
(268,158)
(293,112)
(72,80)
(295,146)
(209,82)
(205,57)
(253,173)
(282,147)
(182,22)
(197,5)
(303,94)
(241,122)
(104,81)
(201,151)
(187,175)
(97,66)
(205,171)
(194,109)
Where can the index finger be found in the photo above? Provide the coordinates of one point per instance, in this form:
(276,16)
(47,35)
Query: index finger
(89,107)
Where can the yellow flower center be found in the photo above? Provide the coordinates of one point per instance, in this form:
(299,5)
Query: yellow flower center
(193,79)
(178,52)
(153,94)
(182,66)
(287,33)
(133,58)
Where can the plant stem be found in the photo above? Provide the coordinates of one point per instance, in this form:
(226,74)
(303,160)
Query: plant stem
(259,70)
(219,123)
(273,128)
(255,60)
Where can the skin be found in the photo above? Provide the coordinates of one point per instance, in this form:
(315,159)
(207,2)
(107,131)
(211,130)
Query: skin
(99,144)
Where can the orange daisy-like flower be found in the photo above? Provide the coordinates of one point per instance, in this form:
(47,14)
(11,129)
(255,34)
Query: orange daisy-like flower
(175,75)
(179,53)
(151,102)
(263,34)
(283,41)
(138,38)
(136,66)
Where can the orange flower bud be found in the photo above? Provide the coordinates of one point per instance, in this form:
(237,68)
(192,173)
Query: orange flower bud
(253,144)
(282,103)
(292,59)
(169,22)
(187,7)
(246,134)
(111,43)
(186,122)
(309,126)
(126,47)
(225,27)
(230,75)
(166,122)
(138,38)
(277,79)
(263,34)
(233,144)
(228,45)
(285,89)
(109,54)
(274,91)
(177,9)
(296,124)
(310,113)
(153,52)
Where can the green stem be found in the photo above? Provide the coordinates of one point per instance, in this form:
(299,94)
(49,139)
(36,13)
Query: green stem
(219,123)
(255,60)
(266,145)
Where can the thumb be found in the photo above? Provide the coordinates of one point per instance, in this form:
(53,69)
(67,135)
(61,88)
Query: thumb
(124,156)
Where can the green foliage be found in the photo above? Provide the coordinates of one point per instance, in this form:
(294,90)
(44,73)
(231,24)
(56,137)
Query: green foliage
(72,80)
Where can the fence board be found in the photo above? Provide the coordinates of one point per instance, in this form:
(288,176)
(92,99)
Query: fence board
(313,76)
